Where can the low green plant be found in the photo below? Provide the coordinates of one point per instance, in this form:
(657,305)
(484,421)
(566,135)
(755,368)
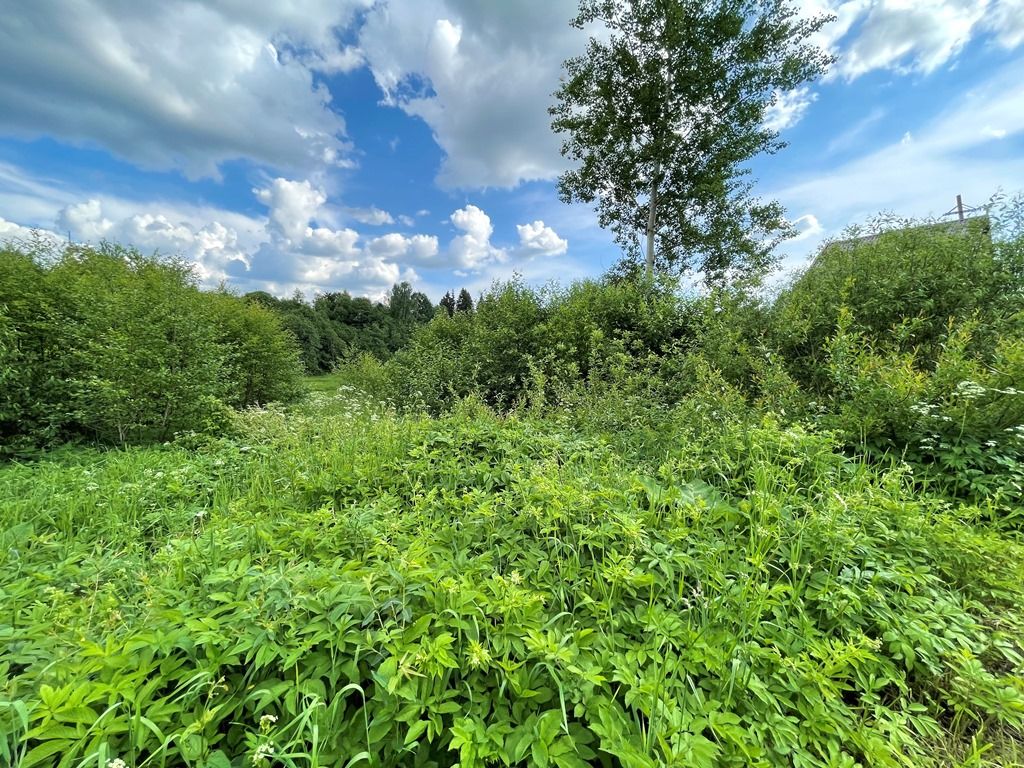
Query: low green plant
(959,419)
(340,585)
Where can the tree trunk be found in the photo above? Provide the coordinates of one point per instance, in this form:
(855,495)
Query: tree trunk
(652,218)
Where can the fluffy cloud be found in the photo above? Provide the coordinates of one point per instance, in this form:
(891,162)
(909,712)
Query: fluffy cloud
(472,249)
(788,108)
(210,245)
(538,239)
(301,255)
(11,232)
(179,84)
(912,36)
(84,220)
(420,249)
(481,76)
(373,216)
(290,248)
(292,204)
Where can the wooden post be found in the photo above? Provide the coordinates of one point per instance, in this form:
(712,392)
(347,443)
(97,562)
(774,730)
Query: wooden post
(960,207)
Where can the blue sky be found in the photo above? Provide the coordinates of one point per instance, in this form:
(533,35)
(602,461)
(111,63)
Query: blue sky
(322,145)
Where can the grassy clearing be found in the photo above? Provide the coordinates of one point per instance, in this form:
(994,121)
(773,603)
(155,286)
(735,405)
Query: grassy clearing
(327,384)
(338,585)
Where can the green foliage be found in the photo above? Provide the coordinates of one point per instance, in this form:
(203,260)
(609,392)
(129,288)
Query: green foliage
(339,585)
(336,327)
(663,111)
(143,356)
(909,343)
(464,302)
(448,304)
(108,345)
(961,423)
(261,360)
(526,345)
(436,368)
(642,528)
(902,286)
(34,396)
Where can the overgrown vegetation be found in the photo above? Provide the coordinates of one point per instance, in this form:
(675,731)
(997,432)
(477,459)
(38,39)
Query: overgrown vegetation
(343,585)
(610,525)
(111,346)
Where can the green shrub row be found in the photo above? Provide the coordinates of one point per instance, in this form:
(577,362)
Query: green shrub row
(107,345)
(910,342)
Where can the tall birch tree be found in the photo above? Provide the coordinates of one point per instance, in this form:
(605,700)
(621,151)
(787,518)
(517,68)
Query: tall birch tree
(662,113)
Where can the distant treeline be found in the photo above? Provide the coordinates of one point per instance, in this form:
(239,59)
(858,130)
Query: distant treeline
(336,327)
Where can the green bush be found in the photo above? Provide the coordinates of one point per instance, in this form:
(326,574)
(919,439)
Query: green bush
(145,358)
(262,364)
(108,345)
(901,287)
(521,344)
(35,397)
(958,419)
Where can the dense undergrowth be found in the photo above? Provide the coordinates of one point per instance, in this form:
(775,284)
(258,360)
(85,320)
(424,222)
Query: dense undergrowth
(611,525)
(340,585)
(108,346)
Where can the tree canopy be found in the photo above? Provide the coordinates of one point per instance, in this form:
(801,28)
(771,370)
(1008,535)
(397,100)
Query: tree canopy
(663,110)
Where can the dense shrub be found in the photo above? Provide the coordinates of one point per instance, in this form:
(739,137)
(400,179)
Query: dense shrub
(261,361)
(959,419)
(904,286)
(521,343)
(109,345)
(35,397)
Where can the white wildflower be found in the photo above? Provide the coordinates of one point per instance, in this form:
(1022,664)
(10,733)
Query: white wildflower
(117,762)
(923,409)
(263,752)
(969,390)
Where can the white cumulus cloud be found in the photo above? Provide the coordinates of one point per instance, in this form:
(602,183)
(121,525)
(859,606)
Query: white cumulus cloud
(473,249)
(481,76)
(537,238)
(84,220)
(373,216)
(292,204)
(417,248)
(179,84)
(788,108)
(912,35)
